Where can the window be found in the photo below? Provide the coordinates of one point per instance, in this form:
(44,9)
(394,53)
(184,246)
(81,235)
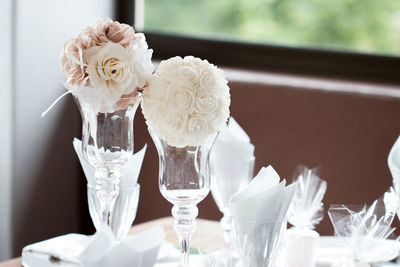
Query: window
(358,25)
(347,39)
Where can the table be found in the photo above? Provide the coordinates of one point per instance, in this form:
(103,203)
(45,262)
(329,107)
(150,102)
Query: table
(208,236)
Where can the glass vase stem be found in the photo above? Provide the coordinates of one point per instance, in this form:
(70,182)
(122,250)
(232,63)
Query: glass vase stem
(107,191)
(226,224)
(184,226)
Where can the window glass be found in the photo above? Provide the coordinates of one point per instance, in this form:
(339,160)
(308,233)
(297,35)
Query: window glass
(371,26)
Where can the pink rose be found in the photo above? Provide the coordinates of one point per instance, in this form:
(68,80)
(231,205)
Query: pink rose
(102,32)
(72,63)
(108,31)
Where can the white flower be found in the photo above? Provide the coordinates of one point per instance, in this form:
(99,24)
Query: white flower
(187,73)
(181,99)
(206,101)
(186,101)
(197,125)
(142,65)
(110,58)
(110,69)
(208,79)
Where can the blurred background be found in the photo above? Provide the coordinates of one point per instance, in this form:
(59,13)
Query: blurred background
(368,26)
(312,82)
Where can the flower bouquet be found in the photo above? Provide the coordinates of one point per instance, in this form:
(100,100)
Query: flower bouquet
(106,65)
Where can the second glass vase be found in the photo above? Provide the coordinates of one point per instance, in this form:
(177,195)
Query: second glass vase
(184,180)
(107,144)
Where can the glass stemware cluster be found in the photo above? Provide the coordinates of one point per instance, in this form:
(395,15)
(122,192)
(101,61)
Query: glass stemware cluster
(184,180)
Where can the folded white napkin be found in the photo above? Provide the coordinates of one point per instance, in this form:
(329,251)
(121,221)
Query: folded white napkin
(89,251)
(259,218)
(103,248)
(264,199)
(232,165)
(129,171)
(232,144)
(394,163)
(125,206)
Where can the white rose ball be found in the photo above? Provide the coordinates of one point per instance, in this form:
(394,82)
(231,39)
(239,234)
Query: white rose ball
(181,100)
(186,101)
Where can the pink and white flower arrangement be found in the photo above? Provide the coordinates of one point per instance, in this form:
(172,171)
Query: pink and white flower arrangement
(186,100)
(106,64)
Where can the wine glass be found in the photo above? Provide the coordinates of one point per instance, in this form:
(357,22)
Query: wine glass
(184,180)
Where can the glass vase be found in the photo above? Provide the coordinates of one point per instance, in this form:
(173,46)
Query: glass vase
(259,243)
(184,180)
(107,144)
(122,215)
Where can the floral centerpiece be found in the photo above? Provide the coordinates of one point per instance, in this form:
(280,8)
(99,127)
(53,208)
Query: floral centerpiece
(186,101)
(185,104)
(105,65)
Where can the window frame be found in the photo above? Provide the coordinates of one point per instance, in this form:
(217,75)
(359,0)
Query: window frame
(304,61)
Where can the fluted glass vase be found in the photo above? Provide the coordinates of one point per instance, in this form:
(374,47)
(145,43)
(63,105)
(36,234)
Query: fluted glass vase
(107,144)
(184,180)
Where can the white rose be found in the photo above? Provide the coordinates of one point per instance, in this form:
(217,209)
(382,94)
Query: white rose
(172,124)
(196,125)
(188,73)
(110,70)
(156,89)
(208,79)
(195,62)
(142,64)
(181,100)
(168,69)
(206,101)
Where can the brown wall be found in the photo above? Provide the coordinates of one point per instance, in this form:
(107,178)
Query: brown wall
(348,134)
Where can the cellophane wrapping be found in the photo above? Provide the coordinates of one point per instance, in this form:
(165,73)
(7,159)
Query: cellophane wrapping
(367,230)
(305,212)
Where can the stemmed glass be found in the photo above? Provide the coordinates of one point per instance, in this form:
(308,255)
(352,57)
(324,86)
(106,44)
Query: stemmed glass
(107,144)
(184,180)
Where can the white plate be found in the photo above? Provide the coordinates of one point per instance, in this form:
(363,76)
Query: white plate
(332,249)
